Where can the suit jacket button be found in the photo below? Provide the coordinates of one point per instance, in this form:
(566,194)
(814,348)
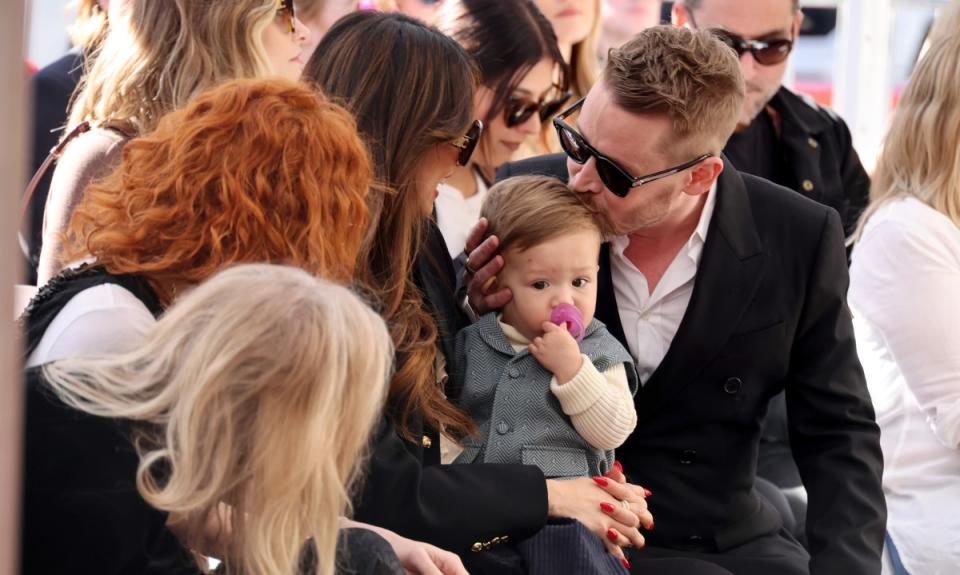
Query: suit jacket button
(688,456)
(733,385)
(807,186)
(426,442)
(514,373)
(503,428)
(695,539)
(813,143)
(476,547)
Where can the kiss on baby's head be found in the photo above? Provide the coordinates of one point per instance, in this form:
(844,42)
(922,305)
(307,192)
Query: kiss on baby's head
(526,211)
(550,243)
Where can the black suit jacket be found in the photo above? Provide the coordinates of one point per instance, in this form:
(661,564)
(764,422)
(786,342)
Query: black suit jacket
(768,313)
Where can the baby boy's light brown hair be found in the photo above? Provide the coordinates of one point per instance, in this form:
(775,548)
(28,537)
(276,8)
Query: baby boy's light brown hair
(526,211)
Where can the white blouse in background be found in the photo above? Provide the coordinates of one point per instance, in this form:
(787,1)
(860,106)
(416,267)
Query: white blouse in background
(456,215)
(101,320)
(905,299)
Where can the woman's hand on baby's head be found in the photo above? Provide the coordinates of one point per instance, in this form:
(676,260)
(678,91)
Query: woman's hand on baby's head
(557,351)
(482,266)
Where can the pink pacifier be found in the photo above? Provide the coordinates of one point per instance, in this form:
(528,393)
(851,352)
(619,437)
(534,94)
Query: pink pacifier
(568,316)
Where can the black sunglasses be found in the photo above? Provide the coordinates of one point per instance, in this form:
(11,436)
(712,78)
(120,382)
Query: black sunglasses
(467,143)
(519,109)
(765,52)
(286,10)
(615,178)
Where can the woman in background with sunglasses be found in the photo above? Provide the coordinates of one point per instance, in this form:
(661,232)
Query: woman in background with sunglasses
(523,83)
(155,58)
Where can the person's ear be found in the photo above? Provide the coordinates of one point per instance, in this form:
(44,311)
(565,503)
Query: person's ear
(797,23)
(703,175)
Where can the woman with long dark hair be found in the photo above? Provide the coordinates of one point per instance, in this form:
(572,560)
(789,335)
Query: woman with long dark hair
(411,89)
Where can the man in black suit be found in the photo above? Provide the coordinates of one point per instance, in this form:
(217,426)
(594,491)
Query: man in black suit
(790,140)
(727,289)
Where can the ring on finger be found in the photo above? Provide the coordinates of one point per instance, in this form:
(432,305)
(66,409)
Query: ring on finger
(466,264)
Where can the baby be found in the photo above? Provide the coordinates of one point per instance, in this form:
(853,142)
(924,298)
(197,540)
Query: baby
(538,395)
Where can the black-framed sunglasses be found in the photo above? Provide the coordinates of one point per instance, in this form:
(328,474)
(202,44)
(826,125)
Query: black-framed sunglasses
(615,178)
(519,109)
(286,10)
(467,143)
(765,52)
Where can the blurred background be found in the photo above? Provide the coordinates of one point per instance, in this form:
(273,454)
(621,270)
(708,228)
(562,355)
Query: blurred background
(853,55)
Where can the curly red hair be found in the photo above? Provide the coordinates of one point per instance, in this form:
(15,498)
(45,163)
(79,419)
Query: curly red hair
(250,171)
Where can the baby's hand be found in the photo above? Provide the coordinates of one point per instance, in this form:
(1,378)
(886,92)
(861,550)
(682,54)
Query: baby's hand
(557,351)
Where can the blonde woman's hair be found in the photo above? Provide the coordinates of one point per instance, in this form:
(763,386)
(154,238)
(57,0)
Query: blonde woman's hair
(947,23)
(921,151)
(584,63)
(90,24)
(158,54)
(262,384)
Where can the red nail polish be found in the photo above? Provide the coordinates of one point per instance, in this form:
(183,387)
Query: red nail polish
(612,535)
(651,526)
(647,493)
(606,507)
(625,564)
(602,482)
(618,466)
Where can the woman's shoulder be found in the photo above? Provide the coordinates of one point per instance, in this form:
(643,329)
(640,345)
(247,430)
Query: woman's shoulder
(94,316)
(909,228)
(97,144)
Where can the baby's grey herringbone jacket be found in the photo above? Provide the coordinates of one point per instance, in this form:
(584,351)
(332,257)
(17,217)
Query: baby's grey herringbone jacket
(519,419)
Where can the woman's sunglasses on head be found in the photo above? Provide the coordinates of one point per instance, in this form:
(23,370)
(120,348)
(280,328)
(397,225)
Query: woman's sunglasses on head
(467,143)
(615,178)
(519,109)
(764,52)
(286,11)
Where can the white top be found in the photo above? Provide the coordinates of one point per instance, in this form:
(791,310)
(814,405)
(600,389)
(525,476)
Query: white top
(456,215)
(650,321)
(904,290)
(100,320)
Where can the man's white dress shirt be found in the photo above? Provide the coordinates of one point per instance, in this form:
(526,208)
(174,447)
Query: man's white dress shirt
(651,320)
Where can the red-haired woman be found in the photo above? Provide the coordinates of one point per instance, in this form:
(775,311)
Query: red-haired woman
(252,171)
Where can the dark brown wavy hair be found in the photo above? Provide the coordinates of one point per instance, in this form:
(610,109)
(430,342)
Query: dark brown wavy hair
(251,171)
(410,88)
